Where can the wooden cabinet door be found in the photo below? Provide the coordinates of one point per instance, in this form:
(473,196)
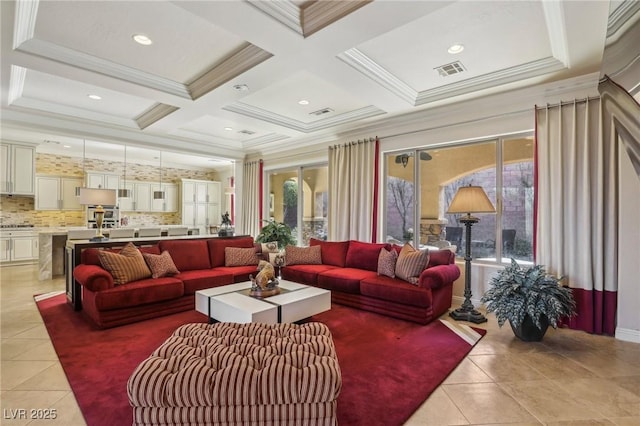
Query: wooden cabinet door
(47,193)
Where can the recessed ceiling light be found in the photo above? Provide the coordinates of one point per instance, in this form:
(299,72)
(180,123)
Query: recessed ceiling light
(241,87)
(66,146)
(142,39)
(303,102)
(455,48)
(228,129)
(95,97)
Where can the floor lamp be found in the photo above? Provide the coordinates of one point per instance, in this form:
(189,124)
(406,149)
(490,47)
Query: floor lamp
(469,199)
(99,198)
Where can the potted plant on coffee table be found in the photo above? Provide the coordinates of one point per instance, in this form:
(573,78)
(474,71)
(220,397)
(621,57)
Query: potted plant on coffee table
(530,299)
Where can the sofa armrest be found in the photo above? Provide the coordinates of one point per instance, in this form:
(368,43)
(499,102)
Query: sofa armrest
(439,276)
(93,277)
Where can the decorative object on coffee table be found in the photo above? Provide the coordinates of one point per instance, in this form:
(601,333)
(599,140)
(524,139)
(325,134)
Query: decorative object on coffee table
(530,299)
(469,199)
(265,284)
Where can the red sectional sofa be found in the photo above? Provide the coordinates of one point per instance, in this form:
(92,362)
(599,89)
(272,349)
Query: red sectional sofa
(201,263)
(349,270)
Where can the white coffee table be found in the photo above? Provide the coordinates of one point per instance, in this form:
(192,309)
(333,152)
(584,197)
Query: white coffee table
(232,303)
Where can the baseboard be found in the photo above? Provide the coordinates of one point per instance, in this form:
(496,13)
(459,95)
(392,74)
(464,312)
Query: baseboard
(628,335)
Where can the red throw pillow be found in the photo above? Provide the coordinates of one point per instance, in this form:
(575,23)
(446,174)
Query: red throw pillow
(363,255)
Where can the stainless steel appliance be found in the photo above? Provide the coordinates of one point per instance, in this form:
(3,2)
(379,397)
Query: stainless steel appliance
(111,217)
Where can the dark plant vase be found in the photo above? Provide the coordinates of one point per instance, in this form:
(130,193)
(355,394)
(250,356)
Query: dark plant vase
(528,331)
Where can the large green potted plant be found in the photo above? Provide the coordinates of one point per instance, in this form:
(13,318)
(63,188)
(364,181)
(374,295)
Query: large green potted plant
(276,231)
(530,299)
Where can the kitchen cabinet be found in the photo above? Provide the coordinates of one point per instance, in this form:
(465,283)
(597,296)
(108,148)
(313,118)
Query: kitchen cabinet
(140,200)
(170,202)
(17,169)
(57,193)
(200,203)
(18,246)
(103,180)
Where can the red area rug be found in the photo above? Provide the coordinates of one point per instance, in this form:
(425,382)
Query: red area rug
(389,367)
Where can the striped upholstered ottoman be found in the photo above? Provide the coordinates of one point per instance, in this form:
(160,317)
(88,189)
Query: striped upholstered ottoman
(239,374)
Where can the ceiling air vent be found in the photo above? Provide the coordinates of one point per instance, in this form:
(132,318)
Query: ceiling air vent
(450,69)
(247,132)
(50,142)
(321,111)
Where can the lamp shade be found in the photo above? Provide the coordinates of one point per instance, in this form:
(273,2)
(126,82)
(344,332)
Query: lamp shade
(98,197)
(471,199)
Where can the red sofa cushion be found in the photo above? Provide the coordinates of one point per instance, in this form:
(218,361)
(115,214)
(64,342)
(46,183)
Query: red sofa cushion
(90,256)
(363,255)
(204,278)
(441,257)
(305,274)
(239,273)
(333,252)
(395,290)
(346,280)
(187,255)
(139,293)
(217,245)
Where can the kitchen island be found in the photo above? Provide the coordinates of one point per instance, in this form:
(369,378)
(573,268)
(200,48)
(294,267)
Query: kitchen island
(52,242)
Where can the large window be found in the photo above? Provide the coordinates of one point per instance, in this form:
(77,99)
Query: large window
(299,198)
(503,167)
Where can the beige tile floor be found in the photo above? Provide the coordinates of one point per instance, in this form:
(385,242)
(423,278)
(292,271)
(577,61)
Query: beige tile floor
(571,378)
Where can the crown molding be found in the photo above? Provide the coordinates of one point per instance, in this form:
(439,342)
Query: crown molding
(246,58)
(554,17)
(367,66)
(297,125)
(153,114)
(622,15)
(16,83)
(285,12)
(493,79)
(25,21)
(263,141)
(318,15)
(101,66)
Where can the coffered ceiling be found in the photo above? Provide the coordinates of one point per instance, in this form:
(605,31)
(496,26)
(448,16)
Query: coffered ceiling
(225,78)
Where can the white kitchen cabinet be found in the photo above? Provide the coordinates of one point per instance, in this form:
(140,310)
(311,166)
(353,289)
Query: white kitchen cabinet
(140,200)
(18,246)
(200,203)
(57,193)
(103,180)
(170,202)
(18,169)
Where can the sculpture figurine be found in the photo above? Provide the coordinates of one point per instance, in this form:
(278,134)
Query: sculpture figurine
(266,274)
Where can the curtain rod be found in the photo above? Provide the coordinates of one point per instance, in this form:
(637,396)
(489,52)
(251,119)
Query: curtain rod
(575,101)
(359,141)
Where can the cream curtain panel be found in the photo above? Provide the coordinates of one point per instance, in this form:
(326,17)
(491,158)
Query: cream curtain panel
(352,177)
(576,226)
(251,198)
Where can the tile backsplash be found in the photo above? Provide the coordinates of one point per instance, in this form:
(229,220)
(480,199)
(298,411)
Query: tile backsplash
(18,210)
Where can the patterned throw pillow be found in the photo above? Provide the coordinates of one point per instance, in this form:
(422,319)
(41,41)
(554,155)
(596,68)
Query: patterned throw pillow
(126,266)
(411,263)
(161,265)
(270,247)
(277,259)
(237,256)
(387,262)
(303,255)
